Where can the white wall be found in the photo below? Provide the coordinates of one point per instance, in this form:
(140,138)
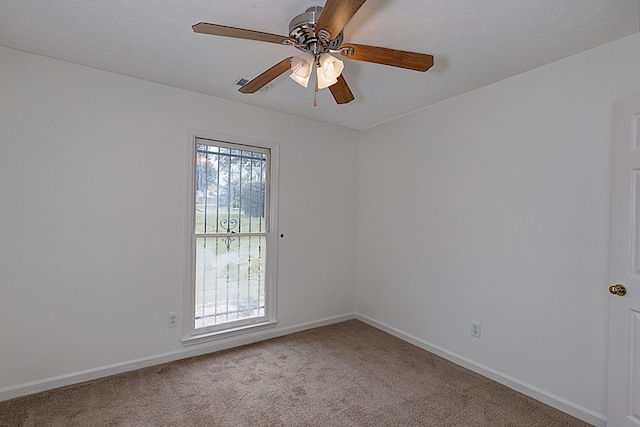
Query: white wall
(92,179)
(494,207)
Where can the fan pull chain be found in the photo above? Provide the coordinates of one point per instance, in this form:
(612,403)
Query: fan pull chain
(315,101)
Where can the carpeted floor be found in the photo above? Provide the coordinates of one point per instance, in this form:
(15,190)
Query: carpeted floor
(347,374)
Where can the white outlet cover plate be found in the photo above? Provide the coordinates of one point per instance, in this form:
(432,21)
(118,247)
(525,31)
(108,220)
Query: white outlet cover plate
(476,329)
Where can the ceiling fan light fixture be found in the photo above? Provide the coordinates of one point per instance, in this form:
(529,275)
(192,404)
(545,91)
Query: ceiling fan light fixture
(301,68)
(324,81)
(302,81)
(331,66)
(329,69)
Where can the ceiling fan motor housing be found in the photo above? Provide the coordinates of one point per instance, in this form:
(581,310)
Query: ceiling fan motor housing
(302,30)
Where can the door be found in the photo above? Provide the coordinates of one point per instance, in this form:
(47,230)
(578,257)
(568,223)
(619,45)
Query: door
(623,408)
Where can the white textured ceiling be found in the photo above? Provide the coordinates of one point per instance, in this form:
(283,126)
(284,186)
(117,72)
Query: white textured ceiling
(474,42)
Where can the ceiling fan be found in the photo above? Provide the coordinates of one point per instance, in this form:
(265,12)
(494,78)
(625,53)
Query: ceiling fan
(318,34)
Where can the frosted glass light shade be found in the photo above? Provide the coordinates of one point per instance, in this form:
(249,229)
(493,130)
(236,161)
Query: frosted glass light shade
(329,70)
(332,66)
(301,68)
(302,81)
(324,81)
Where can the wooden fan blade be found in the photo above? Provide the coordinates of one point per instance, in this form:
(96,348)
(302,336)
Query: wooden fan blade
(382,55)
(256,84)
(239,33)
(341,92)
(335,15)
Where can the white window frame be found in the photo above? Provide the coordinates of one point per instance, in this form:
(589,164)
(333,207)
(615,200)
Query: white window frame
(191,335)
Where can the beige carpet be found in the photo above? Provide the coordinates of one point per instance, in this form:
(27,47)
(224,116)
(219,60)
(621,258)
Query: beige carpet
(348,374)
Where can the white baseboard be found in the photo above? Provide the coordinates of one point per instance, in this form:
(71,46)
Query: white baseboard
(92,374)
(552,400)
(536,393)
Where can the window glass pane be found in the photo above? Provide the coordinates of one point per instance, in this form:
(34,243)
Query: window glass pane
(230,279)
(230,190)
(230,212)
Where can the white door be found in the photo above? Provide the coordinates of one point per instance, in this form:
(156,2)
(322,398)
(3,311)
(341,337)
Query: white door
(623,409)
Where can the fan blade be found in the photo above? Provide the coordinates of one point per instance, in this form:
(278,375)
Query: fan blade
(335,15)
(384,56)
(239,33)
(341,92)
(256,84)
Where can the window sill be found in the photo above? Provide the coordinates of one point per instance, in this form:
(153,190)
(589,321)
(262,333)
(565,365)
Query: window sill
(240,330)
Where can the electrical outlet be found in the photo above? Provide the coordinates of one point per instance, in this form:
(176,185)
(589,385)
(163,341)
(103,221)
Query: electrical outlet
(476,329)
(173,319)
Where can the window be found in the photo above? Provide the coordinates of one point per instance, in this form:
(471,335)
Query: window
(231,284)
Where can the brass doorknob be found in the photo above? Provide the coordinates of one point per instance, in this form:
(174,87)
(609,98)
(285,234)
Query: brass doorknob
(618,289)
